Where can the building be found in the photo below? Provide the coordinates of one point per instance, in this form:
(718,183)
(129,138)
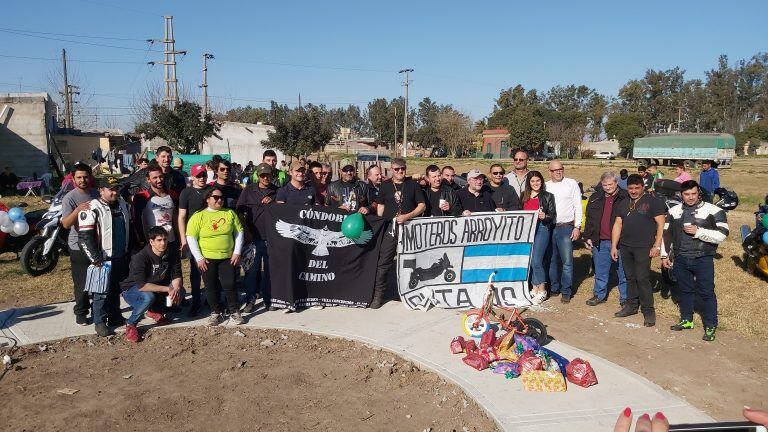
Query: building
(79,145)
(358,145)
(27,121)
(496,143)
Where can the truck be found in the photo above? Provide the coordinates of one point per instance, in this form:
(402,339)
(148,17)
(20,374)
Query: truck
(689,148)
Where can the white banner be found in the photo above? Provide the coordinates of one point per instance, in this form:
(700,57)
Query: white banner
(446,261)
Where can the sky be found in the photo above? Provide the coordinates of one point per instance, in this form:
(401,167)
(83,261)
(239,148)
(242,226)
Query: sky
(350,52)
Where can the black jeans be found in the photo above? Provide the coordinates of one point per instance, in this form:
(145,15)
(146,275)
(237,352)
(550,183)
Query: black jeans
(220,270)
(80,263)
(637,268)
(386,259)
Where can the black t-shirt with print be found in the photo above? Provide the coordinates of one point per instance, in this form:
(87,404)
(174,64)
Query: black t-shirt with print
(638,227)
(402,198)
(192,200)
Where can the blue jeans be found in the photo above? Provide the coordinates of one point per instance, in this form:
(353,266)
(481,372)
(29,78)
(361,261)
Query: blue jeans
(562,248)
(696,278)
(252,280)
(540,245)
(140,302)
(604,264)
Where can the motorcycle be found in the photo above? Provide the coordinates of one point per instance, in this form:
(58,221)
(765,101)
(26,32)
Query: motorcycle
(755,250)
(432,272)
(41,253)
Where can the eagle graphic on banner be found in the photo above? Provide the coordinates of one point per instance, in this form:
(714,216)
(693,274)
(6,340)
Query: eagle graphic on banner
(321,238)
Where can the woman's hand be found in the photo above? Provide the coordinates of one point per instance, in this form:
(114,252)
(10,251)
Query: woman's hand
(235,260)
(644,422)
(202,265)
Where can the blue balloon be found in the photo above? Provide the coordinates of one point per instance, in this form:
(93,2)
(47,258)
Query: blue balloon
(16,214)
(765,237)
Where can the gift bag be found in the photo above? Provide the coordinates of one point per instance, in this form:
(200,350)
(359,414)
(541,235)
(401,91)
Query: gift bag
(529,361)
(470,346)
(511,368)
(525,343)
(562,362)
(457,345)
(475,361)
(488,338)
(581,373)
(97,279)
(490,354)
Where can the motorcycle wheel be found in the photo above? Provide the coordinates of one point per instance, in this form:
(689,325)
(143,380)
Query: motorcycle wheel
(33,262)
(450,276)
(474,325)
(536,330)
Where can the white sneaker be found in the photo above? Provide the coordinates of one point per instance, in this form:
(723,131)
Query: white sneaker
(539,297)
(236,318)
(287,310)
(214,319)
(317,307)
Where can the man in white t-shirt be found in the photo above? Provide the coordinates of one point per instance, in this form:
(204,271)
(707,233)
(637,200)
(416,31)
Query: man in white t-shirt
(567,229)
(155,207)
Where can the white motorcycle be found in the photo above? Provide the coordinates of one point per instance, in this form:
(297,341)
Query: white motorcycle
(41,254)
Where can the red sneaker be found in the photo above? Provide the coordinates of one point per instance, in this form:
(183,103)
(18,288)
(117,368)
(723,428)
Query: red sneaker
(157,317)
(132,333)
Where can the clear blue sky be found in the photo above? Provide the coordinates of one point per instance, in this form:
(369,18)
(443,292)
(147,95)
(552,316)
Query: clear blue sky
(463,53)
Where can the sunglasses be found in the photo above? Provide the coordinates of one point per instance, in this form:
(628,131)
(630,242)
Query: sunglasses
(348,170)
(223,169)
(520,160)
(398,169)
(217,197)
(498,173)
(324,173)
(556,170)
(265,175)
(202,175)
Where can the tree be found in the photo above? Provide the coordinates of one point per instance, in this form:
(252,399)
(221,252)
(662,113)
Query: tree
(625,127)
(302,131)
(526,131)
(184,129)
(454,129)
(246,114)
(426,120)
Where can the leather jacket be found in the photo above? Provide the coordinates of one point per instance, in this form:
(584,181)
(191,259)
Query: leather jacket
(354,194)
(712,229)
(595,206)
(94,230)
(547,204)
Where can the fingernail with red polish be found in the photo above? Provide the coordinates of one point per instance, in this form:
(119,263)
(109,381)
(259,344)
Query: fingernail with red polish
(660,416)
(627,412)
(645,416)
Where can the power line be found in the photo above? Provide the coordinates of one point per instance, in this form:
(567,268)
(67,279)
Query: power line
(354,69)
(72,60)
(73,35)
(73,41)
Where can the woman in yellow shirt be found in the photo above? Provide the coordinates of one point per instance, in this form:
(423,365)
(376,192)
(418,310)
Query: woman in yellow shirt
(215,238)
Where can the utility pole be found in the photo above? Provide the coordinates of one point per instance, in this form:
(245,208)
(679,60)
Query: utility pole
(171,97)
(405,122)
(66,93)
(206,104)
(299,100)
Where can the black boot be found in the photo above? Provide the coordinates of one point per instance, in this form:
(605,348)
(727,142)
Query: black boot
(378,298)
(626,311)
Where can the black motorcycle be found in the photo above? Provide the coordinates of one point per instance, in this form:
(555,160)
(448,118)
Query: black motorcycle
(442,267)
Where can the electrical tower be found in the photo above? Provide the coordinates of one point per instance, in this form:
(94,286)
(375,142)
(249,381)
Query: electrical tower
(204,86)
(171,97)
(405,122)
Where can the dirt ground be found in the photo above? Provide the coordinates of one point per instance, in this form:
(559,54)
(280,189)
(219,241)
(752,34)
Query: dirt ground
(263,380)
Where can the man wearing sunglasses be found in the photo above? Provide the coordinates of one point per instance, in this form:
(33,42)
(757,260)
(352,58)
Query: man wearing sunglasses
(192,200)
(504,196)
(250,207)
(517,177)
(228,188)
(401,199)
(298,190)
(348,193)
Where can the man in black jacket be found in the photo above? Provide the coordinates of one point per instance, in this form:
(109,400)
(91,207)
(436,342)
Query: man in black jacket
(250,207)
(597,235)
(475,197)
(155,272)
(173,179)
(440,198)
(504,195)
(347,192)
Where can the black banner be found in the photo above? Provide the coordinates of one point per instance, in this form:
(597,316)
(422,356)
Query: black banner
(312,263)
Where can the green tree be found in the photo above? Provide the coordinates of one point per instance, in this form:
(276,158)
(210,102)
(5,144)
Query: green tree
(526,131)
(246,114)
(302,131)
(426,133)
(625,127)
(454,130)
(184,128)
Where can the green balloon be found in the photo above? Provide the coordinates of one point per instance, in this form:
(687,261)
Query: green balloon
(765,220)
(352,225)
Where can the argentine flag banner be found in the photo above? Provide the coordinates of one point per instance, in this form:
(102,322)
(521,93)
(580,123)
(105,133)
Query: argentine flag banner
(447,261)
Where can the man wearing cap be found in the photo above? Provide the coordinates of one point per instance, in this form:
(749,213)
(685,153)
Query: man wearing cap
(709,179)
(178,165)
(475,197)
(250,207)
(297,191)
(192,200)
(348,193)
(102,234)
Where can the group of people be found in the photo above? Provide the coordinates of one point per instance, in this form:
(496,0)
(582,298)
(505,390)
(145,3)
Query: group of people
(144,225)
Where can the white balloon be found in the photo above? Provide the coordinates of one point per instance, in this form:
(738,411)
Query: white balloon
(20,228)
(6,228)
(4,217)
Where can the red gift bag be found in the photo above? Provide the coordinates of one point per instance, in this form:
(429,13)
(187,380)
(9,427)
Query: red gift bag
(457,345)
(476,361)
(529,361)
(488,339)
(580,373)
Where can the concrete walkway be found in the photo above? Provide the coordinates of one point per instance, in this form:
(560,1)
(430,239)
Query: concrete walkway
(424,338)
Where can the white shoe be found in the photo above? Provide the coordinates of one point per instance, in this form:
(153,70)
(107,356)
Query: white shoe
(539,297)
(317,307)
(287,310)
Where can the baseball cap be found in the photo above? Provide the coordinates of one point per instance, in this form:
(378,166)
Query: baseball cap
(197,169)
(346,164)
(263,168)
(177,162)
(296,164)
(108,182)
(474,173)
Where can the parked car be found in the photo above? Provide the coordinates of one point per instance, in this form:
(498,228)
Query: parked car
(605,155)
(373,157)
